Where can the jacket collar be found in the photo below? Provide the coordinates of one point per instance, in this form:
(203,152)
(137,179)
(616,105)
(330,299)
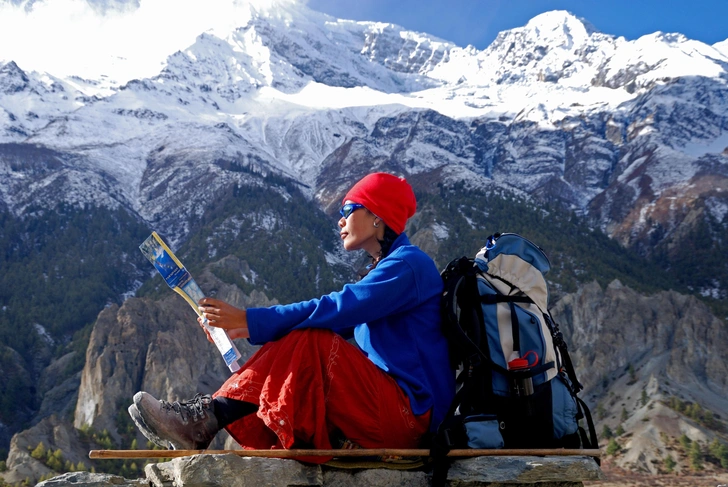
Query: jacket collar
(400,241)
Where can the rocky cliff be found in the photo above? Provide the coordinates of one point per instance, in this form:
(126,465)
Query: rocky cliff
(155,346)
(637,356)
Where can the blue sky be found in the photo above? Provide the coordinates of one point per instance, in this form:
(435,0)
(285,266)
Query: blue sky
(477,22)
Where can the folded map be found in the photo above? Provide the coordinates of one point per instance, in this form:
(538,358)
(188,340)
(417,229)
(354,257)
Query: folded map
(181,281)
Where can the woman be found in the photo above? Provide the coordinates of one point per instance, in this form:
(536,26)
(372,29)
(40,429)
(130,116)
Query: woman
(307,386)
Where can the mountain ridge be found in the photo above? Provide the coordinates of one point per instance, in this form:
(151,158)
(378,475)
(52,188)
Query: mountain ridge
(642,125)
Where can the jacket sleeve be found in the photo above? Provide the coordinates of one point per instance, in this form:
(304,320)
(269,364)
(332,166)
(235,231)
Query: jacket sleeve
(389,288)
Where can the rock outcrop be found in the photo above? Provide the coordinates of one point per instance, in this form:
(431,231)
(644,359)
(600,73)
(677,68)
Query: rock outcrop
(669,335)
(55,434)
(156,346)
(60,391)
(236,471)
(636,355)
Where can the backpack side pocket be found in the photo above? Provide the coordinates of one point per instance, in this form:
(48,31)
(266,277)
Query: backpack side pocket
(482,431)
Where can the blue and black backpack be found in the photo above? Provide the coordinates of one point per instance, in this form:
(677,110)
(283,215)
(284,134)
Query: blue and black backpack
(516,384)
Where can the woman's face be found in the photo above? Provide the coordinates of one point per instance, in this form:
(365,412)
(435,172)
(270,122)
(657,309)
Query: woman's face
(358,231)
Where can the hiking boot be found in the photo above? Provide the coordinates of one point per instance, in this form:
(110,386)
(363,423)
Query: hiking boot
(186,425)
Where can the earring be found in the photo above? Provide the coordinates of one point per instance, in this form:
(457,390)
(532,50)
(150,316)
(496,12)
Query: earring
(376,224)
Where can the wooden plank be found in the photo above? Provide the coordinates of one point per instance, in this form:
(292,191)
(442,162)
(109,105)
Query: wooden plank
(376,452)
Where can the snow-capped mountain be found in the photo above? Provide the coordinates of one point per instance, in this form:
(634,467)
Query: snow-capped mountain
(554,109)
(29,102)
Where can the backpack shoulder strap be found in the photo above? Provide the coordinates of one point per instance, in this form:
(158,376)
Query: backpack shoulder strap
(457,305)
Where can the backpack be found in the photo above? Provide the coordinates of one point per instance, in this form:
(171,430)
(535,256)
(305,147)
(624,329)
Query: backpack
(516,383)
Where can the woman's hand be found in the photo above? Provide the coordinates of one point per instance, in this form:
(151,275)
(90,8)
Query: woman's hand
(222,315)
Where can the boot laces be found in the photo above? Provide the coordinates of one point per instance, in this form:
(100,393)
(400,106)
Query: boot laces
(192,408)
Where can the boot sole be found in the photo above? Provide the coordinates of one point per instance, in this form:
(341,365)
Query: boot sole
(146,431)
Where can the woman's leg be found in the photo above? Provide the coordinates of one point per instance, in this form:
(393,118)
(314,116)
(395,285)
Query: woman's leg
(311,384)
(230,410)
(303,388)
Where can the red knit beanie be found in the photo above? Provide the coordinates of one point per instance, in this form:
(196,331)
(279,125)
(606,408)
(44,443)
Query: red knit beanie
(387,196)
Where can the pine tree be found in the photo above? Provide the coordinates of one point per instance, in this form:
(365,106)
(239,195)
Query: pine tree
(685,442)
(613,447)
(719,450)
(695,411)
(601,411)
(607,432)
(677,404)
(696,456)
(670,463)
(39,453)
(644,399)
(54,464)
(715,447)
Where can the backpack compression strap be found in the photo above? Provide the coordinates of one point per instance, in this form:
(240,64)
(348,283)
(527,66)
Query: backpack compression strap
(583,409)
(592,441)
(559,343)
(500,298)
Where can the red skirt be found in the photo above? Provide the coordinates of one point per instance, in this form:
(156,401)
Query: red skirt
(311,386)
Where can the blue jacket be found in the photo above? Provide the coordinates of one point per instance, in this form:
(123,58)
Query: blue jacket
(394,316)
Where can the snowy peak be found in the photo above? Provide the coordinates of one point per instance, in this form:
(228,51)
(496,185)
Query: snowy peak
(290,46)
(557,47)
(30,100)
(552,47)
(559,29)
(660,56)
(552,32)
(403,51)
(12,79)
(337,53)
(227,68)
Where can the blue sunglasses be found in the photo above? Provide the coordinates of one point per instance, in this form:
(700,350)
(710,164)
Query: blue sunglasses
(348,209)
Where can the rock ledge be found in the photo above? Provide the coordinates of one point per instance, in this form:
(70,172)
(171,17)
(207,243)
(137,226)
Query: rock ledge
(235,471)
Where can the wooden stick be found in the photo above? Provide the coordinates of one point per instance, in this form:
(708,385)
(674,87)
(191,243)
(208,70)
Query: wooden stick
(376,452)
